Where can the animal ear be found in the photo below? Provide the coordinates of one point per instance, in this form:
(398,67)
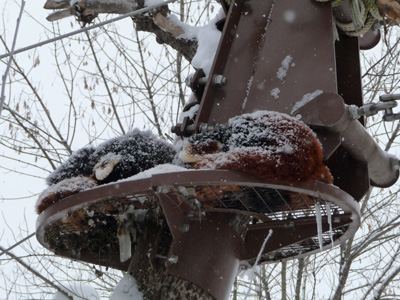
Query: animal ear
(61,14)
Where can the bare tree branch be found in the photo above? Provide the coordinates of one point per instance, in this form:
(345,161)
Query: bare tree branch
(158,23)
(105,84)
(36,273)
(4,77)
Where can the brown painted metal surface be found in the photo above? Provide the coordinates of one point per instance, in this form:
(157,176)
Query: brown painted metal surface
(205,250)
(350,174)
(207,246)
(274,54)
(267,46)
(279,54)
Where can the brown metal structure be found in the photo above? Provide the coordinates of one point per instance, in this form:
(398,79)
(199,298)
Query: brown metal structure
(273,55)
(276,55)
(209,244)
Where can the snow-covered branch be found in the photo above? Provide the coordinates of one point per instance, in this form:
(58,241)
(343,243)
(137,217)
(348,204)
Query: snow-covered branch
(157,21)
(378,292)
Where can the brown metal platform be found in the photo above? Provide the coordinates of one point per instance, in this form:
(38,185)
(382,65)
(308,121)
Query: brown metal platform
(276,55)
(226,212)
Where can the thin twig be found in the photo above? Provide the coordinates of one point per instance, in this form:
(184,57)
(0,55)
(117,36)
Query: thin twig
(36,273)
(61,140)
(4,78)
(17,243)
(257,260)
(105,84)
(148,85)
(32,135)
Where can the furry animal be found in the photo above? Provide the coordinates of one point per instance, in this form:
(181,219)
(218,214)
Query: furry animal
(269,145)
(115,159)
(131,154)
(62,189)
(79,163)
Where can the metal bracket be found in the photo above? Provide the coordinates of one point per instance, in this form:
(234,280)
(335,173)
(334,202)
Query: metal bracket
(386,104)
(217,81)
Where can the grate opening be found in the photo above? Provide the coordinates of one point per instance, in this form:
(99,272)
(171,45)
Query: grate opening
(301,248)
(277,204)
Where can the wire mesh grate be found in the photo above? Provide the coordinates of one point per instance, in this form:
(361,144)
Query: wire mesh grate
(277,204)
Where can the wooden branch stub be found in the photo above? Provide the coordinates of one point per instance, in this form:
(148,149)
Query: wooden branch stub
(60,14)
(165,23)
(50,4)
(186,47)
(98,6)
(157,22)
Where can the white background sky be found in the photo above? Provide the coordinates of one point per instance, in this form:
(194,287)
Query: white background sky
(18,193)
(13,186)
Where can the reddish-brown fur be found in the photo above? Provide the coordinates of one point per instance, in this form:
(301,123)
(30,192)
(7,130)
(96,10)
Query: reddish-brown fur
(67,187)
(301,166)
(53,198)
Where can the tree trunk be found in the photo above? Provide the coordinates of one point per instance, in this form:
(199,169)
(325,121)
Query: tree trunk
(299,278)
(156,283)
(150,272)
(283,278)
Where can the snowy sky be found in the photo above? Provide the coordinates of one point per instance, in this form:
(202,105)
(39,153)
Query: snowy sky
(18,193)
(20,213)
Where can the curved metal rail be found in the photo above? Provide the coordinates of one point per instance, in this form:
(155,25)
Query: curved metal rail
(288,210)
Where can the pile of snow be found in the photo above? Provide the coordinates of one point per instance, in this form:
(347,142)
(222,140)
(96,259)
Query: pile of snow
(191,113)
(285,64)
(127,289)
(306,98)
(207,36)
(160,169)
(275,93)
(78,292)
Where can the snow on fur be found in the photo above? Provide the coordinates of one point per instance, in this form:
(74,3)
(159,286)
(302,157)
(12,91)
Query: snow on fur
(137,151)
(267,144)
(115,159)
(126,289)
(62,189)
(79,163)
